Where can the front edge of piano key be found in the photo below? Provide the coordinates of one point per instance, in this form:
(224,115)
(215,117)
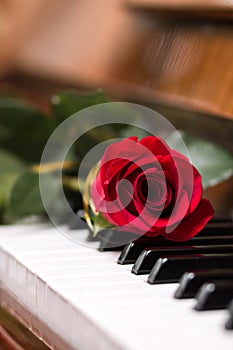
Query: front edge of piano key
(229,322)
(214,295)
(190,281)
(148,257)
(169,269)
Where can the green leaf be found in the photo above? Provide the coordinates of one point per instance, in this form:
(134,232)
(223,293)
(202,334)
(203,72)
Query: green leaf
(9,163)
(25,198)
(213,162)
(67,103)
(24,130)
(134,131)
(7,181)
(10,168)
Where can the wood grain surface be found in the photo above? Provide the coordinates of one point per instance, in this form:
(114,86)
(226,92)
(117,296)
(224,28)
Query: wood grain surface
(206,6)
(183,63)
(15,336)
(19,322)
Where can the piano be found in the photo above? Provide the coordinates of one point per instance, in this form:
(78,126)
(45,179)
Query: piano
(73,297)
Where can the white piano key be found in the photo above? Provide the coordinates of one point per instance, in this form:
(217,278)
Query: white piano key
(87,270)
(18,230)
(67,262)
(43,235)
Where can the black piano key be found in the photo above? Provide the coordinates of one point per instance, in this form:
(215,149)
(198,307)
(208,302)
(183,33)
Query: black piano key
(76,220)
(228,219)
(149,256)
(169,269)
(91,237)
(214,295)
(217,228)
(229,323)
(76,223)
(64,215)
(132,250)
(190,282)
(114,239)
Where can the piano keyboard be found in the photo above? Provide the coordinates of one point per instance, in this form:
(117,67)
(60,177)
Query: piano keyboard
(74,297)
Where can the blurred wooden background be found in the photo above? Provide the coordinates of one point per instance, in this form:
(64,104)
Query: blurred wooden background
(172,55)
(171,52)
(155,50)
(71,41)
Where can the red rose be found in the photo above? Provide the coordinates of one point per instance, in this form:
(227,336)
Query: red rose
(148,188)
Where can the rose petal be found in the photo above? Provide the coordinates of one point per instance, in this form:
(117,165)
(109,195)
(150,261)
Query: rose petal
(178,212)
(190,179)
(156,145)
(109,169)
(179,155)
(128,149)
(197,190)
(192,224)
(142,164)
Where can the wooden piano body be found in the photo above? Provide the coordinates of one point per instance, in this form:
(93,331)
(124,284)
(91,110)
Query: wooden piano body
(175,56)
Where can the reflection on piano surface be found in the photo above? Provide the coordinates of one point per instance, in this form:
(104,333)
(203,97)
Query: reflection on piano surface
(179,60)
